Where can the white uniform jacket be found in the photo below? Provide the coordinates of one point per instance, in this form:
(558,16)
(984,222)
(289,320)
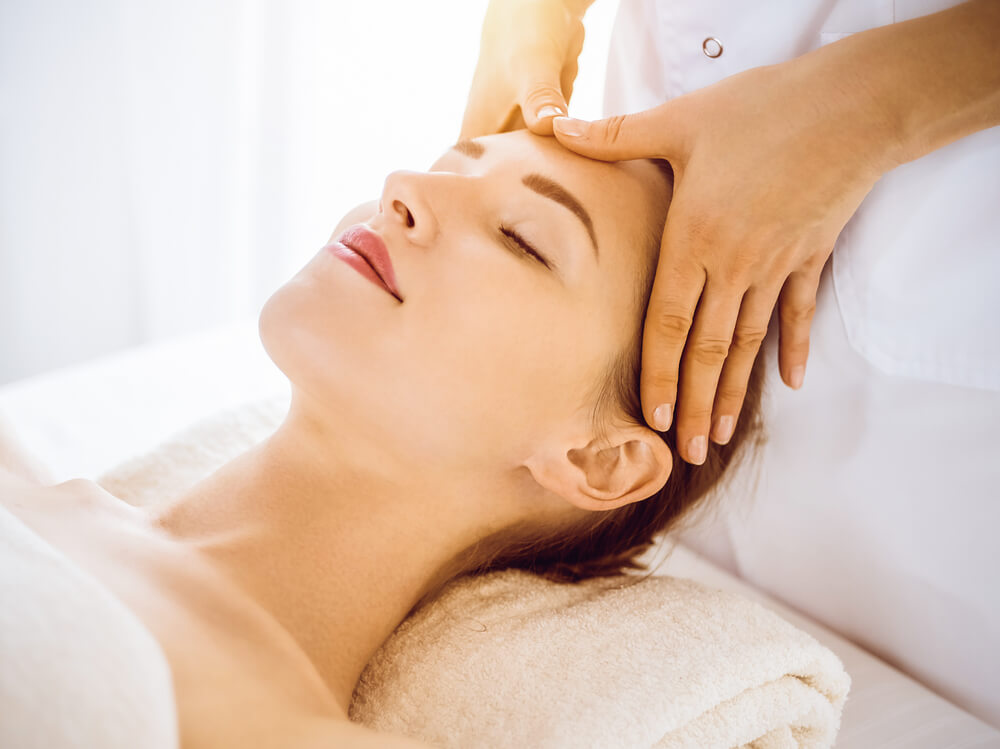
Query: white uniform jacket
(875,506)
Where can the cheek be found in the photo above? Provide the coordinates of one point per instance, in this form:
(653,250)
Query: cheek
(478,368)
(501,371)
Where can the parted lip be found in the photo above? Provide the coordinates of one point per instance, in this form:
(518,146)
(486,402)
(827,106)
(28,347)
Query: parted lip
(370,246)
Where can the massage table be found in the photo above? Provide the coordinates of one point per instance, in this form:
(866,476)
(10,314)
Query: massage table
(84,419)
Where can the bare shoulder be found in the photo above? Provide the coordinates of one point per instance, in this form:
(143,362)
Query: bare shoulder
(326,733)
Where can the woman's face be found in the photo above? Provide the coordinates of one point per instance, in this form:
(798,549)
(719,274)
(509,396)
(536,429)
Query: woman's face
(491,350)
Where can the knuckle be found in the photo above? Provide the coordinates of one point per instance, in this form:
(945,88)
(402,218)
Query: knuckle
(538,93)
(748,339)
(815,263)
(710,352)
(672,326)
(611,128)
(797,315)
(659,375)
(732,278)
(798,351)
(694,417)
(662,381)
(731,395)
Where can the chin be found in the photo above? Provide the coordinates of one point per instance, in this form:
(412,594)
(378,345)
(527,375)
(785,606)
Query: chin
(322,312)
(336,364)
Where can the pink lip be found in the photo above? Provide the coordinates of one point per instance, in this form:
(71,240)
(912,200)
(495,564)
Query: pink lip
(375,263)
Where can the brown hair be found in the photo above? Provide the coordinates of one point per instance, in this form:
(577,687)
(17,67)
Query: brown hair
(609,543)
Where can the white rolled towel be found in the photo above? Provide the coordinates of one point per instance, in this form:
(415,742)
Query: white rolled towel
(513,660)
(509,659)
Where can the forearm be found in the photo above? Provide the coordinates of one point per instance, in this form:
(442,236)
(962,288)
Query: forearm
(927,81)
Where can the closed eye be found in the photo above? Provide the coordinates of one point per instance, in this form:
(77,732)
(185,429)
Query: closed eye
(515,240)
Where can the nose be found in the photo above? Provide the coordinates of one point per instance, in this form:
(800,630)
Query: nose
(406,203)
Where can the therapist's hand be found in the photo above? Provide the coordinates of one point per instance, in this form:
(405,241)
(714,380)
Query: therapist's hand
(527,66)
(769,165)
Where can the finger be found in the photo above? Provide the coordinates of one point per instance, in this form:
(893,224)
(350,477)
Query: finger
(701,366)
(796,307)
(676,289)
(751,327)
(632,136)
(535,76)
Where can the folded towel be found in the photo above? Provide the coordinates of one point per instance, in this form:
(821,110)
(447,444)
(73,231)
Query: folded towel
(512,660)
(509,659)
(78,669)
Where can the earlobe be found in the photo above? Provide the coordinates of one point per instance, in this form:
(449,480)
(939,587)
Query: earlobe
(631,464)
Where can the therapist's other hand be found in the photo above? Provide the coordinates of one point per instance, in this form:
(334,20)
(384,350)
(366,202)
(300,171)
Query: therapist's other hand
(769,165)
(527,66)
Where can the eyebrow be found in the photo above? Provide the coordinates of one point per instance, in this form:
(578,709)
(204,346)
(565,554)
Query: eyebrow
(542,185)
(470,148)
(554,191)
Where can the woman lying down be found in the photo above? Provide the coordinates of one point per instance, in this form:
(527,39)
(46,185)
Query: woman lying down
(464,376)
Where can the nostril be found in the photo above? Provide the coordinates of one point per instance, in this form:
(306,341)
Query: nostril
(403,211)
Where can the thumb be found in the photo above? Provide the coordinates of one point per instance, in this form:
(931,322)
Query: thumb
(540,104)
(539,88)
(632,136)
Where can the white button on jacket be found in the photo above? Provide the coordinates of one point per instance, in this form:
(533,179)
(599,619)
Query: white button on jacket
(875,505)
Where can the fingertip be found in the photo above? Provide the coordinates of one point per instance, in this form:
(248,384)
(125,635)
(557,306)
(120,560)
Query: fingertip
(796,377)
(697,450)
(569,126)
(540,122)
(724,428)
(550,110)
(662,416)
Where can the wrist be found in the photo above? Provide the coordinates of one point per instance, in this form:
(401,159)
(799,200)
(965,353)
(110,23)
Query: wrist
(849,117)
(877,98)
(577,7)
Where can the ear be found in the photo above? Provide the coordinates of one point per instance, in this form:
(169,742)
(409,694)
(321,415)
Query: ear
(632,463)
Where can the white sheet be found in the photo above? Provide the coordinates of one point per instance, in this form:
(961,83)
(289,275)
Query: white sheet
(88,418)
(78,670)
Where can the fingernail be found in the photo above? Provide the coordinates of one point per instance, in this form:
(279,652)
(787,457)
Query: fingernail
(798,374)
(698,449)
(724,429)
(549,110)
(661,417)
(569,126)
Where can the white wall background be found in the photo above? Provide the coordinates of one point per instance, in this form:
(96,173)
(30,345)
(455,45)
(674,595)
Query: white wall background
(165,165)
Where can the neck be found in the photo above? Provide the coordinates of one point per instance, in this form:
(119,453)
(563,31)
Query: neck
(334,551)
